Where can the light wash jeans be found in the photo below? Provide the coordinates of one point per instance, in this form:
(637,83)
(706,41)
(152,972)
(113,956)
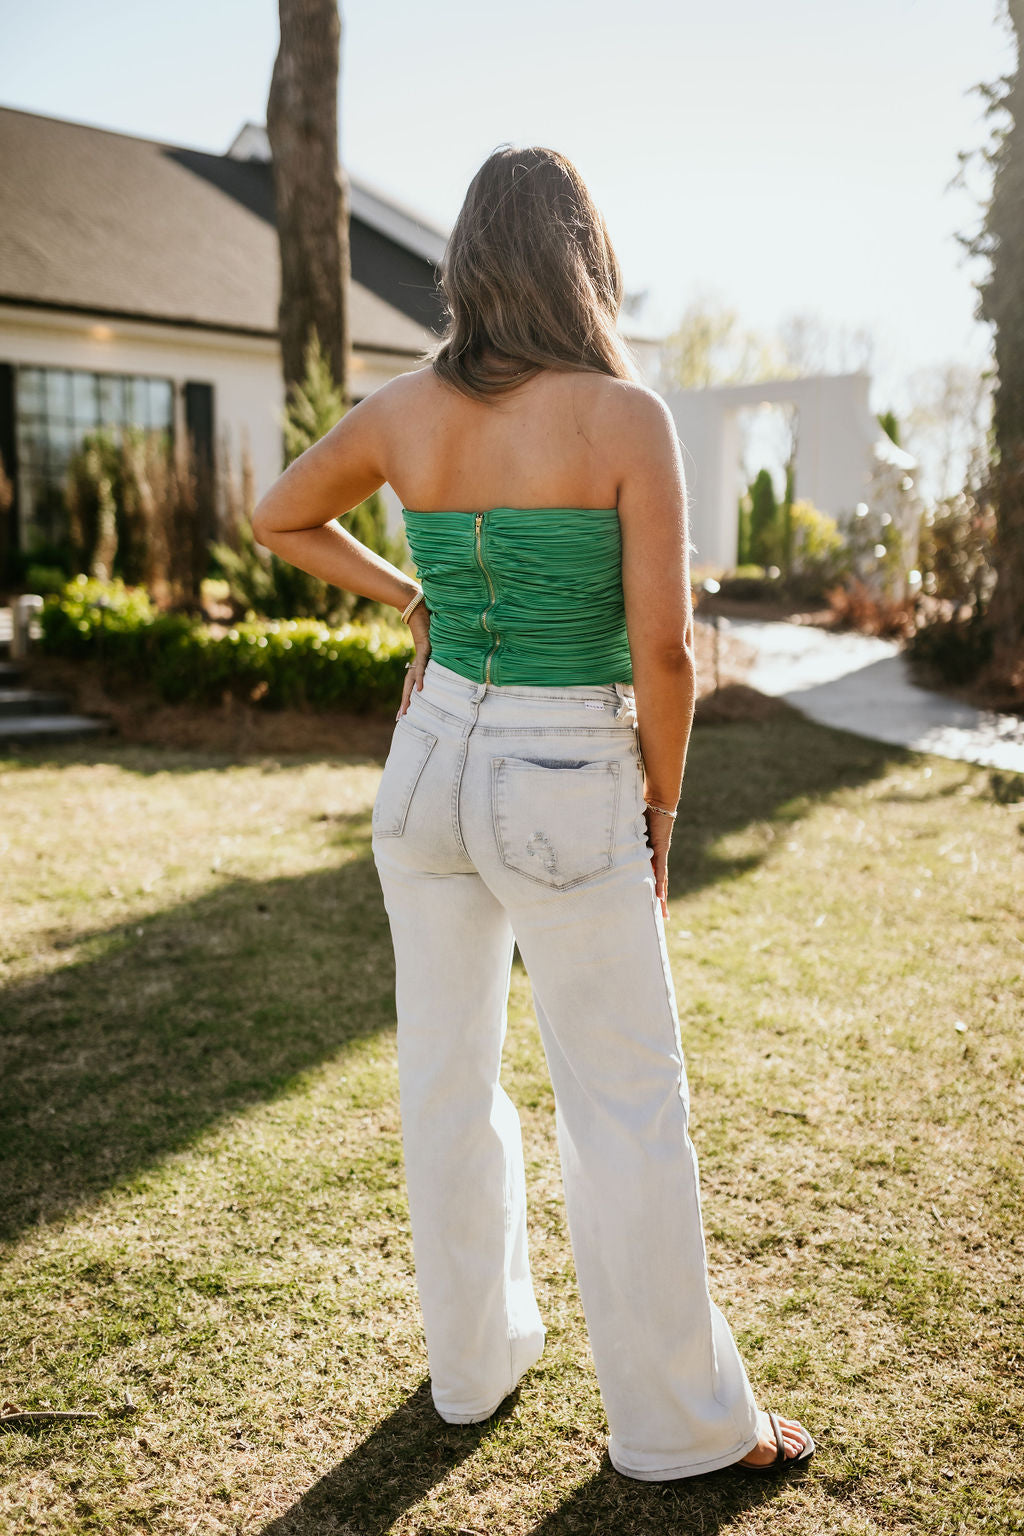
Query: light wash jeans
(511,813)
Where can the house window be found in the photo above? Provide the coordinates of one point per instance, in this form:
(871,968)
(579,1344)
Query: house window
(56,408)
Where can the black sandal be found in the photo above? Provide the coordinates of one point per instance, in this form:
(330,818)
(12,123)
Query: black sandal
(781,1458)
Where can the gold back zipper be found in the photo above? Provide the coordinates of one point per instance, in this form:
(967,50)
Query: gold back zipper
(478,520)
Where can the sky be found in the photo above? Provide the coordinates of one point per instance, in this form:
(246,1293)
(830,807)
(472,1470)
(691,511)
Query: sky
(792,157)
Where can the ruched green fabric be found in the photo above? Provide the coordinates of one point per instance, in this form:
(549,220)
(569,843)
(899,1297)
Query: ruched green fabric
(536,599)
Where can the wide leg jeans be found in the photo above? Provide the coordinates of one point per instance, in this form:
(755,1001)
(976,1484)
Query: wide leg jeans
(514,814)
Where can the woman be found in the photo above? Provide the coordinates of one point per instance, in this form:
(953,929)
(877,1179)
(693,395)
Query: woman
(545,506)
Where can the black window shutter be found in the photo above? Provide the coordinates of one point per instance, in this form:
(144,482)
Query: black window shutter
(199,423)
(9,455)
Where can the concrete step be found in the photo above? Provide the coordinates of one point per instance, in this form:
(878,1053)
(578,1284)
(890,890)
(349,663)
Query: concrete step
(32,714)
(30,728)
(31,701)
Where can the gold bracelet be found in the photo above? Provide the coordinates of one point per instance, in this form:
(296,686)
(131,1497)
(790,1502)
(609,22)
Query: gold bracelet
(410,606)
(660,808)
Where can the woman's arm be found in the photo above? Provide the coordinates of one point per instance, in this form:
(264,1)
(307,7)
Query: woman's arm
(295,517)
(659,612)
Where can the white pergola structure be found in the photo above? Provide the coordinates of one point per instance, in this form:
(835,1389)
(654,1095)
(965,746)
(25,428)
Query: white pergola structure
(839,450)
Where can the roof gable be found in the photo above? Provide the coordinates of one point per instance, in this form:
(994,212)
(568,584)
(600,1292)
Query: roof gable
(107,223)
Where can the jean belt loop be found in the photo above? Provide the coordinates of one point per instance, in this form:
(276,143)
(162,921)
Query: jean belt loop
(626,701)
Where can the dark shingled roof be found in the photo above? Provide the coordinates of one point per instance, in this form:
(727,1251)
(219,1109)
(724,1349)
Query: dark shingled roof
(107,224)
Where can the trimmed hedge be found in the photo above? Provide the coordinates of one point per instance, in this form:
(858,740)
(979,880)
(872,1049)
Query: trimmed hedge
(275,663)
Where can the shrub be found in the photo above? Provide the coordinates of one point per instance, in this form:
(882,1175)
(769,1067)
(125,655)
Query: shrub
(955,550)
(855,606)
(44,578)
(750,583)
(954,649)
(87,607)
(297,662)
(819,556)
(135,502)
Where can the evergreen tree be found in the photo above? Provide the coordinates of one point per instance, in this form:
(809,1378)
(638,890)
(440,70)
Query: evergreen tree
(764,521)
(743,530)
(315,403)
(786,515)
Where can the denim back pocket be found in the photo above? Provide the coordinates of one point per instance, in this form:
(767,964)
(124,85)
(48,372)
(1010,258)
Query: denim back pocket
(553,822)
(410,748)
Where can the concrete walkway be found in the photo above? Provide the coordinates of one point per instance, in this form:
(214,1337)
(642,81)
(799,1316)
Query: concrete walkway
(860,683)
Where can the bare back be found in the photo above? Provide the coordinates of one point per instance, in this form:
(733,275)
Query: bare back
(546,444)
(562,439)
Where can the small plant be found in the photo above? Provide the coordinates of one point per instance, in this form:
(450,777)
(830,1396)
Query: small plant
(818,553)
(855,606)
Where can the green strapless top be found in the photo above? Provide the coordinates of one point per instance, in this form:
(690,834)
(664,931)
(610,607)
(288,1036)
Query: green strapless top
(524,595)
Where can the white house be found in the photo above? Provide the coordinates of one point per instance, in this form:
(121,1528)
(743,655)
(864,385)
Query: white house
(139,285)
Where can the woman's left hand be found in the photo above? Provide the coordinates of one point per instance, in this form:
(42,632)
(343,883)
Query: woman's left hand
(419,623)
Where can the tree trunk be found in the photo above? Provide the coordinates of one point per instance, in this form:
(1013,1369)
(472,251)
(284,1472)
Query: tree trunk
(1002,304)
(310,188)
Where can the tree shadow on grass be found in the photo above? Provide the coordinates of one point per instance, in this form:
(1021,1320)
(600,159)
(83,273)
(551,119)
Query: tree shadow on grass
(409,1452)
(621,1506)
(769,771)
(362,740)
(169,1022)
(413,1450)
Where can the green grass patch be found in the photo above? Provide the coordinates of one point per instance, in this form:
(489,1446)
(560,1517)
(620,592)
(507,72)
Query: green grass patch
(202,1201)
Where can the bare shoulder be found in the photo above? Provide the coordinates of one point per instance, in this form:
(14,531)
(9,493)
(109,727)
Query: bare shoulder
(637,433)
(400,392)
(627,409)
(381,420)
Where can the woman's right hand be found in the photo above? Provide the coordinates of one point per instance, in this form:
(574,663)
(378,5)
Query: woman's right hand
(419,624)
(659,836)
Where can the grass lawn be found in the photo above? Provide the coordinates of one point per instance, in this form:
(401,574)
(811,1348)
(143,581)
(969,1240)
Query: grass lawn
(202,1196)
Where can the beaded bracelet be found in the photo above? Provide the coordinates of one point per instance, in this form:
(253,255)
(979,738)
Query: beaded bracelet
(409,608)
(660,808)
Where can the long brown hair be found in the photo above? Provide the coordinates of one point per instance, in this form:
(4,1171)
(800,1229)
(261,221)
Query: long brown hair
(529,278)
